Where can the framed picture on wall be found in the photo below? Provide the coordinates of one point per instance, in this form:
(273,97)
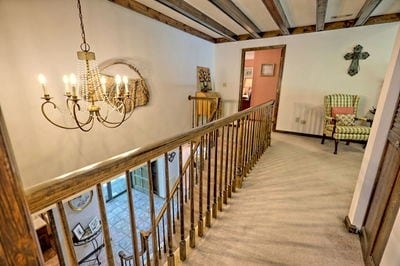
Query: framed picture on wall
(78,231)
(248,72)
(268,70)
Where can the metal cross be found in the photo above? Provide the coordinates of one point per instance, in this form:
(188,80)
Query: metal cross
(355,57)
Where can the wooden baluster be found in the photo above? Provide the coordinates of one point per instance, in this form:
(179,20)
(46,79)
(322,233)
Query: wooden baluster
(239,165)
(182,243)
(170,260)
(244,150)
(173,213)
(200,223)
(57,242)
(132,217)
(235,156)
(220,169)
(67,233)
(186,184)
(214,207)
(232,126)
(163,233)
(258,144)
(177,199)
(208,212)
(248,144)
(253,127)
(144,236)
(191,185)
(19,244)
(105,227)
(225,195)
(159,241)
(152,214)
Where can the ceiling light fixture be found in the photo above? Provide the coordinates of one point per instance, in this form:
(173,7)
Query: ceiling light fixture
(90,96)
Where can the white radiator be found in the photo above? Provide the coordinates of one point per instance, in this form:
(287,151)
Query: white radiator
(308,118)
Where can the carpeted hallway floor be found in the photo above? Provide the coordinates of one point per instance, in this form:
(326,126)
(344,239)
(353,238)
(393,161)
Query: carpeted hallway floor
(290,209)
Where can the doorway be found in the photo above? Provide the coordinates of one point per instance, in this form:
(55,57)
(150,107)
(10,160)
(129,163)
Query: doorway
(261,77)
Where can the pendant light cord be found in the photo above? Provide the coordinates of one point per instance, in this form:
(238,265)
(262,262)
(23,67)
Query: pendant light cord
(84,45)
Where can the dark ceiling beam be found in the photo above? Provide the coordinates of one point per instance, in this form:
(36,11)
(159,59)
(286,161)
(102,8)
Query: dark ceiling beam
(321,14)
(366,11)
(275,9)
(388,18)
(151,13)
(191,12)
(231,10)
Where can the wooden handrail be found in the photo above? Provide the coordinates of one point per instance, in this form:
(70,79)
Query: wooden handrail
(48,193)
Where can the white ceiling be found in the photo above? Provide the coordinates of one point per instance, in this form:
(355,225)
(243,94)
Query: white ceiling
(298,12)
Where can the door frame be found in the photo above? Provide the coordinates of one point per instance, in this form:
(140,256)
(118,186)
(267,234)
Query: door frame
(278,86)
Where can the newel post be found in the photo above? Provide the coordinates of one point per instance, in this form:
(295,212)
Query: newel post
(18,240)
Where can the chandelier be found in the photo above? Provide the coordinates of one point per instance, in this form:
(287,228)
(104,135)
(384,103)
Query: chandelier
(90,96)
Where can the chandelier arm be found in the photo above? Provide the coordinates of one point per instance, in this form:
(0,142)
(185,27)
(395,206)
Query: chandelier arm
(132,108)
(48,118)
(111,124)
(80,124)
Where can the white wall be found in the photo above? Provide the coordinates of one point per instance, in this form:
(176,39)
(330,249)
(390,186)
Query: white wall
(314,66)
(43,36)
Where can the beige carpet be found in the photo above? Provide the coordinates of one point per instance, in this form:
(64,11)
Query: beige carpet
(290,210)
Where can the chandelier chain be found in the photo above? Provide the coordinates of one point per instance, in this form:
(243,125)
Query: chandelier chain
(84,46)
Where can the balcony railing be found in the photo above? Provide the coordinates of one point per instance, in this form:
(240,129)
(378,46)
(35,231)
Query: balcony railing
(222,153)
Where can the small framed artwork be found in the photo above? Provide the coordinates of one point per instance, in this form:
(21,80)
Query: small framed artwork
(248,72)
(81,202)
(94,224)
(78,231)
(268,70)
(203,79)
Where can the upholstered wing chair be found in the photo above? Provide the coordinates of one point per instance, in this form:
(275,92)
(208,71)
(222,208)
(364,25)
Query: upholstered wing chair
(340,122)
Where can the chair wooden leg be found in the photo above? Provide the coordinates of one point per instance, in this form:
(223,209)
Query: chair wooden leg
(336,145)
(323,138)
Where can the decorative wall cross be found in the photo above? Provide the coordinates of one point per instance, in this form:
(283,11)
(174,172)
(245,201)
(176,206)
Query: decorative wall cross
(355,57)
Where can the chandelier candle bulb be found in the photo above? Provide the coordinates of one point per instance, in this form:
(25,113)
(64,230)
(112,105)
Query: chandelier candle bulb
(118,84)
(72,80)
(66,83)
(43,81)
(125,80)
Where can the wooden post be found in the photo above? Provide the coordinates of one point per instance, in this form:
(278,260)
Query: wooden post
(106,229)
(67,233)
(152,214)
(208,212)
(200,222)
(19,244)
(57,241)
(231,161)
(215,196)
(221,164)
(132,217)
(235,156)
(239,165)
(225,200)
(170,260)
(182,243)
(192,232)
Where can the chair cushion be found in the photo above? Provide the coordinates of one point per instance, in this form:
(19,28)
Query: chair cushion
(345,119)
(360,130)
(342,110)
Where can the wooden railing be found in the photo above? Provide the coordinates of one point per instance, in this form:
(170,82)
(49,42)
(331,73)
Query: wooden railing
(222,152)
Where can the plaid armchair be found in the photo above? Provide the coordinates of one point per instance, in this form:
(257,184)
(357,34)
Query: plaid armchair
(340,119)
